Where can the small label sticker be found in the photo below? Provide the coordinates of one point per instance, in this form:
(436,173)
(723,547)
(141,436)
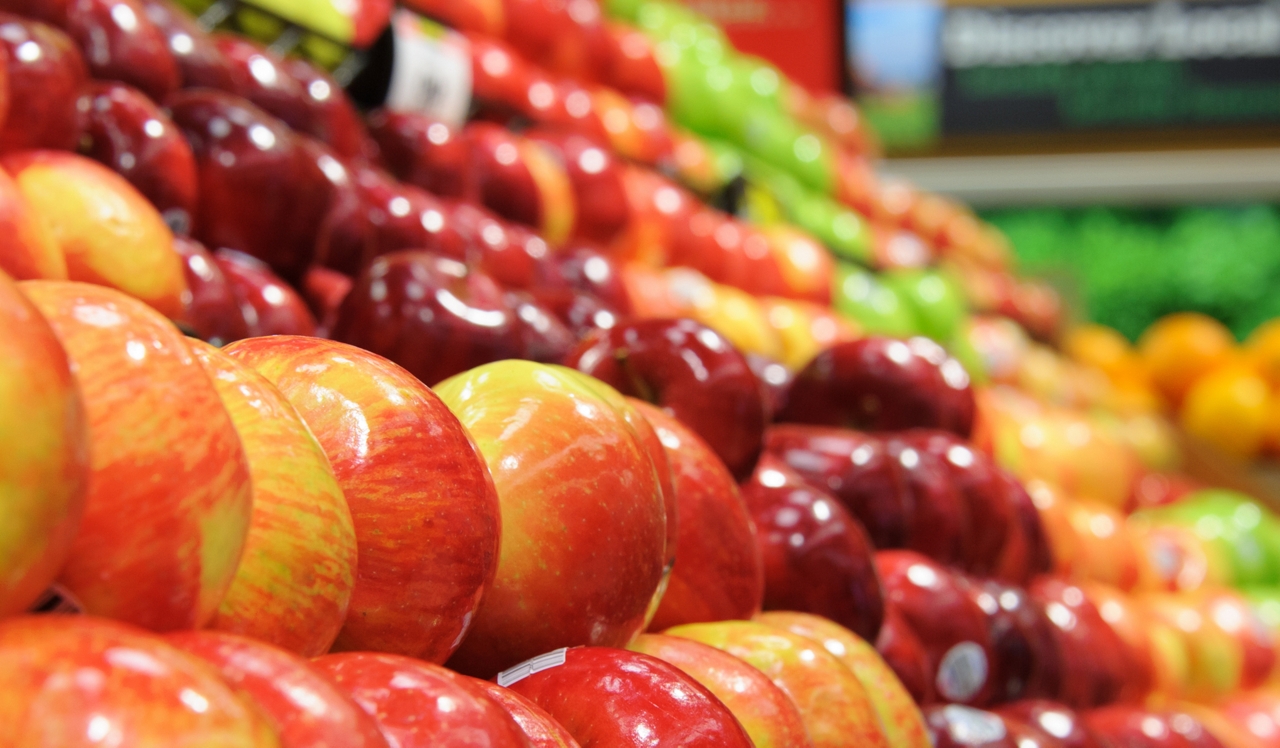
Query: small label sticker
(529,667)
(432,72)
(57,601)
(962,672)
(969,726)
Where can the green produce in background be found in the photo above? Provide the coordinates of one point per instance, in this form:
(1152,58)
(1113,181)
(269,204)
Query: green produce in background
(860,295)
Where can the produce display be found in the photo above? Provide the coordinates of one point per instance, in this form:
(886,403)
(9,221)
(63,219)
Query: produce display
(633,409)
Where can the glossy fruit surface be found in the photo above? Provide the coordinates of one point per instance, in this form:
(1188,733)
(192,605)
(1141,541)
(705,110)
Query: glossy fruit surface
(46,75)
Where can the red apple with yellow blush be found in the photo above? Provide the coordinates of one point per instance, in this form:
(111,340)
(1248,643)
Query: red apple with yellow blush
(28,248)
(542,730)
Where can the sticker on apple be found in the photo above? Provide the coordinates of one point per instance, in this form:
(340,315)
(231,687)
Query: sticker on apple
(962,672)
(969,726)
(57,601)
(432,72)
(517,673)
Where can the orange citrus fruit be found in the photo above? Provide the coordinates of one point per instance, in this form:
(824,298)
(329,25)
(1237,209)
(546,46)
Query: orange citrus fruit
(1228,408)
(1180,348)
(1262,349)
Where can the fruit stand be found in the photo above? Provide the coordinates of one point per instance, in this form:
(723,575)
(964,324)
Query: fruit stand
(529,373)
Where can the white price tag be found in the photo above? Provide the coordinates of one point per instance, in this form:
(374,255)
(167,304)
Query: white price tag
(432,72)
(962,672)
(529,667)
(973,727)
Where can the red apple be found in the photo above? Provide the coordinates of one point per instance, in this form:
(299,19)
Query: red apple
(766,712)
(329,115)
(817,558)
(295,577)
(831,700)
(583,515)
(269,305)
(557,36)
(956,726)
(899,716)
(583,267)
(903,652)
(950,624)
(324,290)
(402,217)
(260,193)
(499,77)
(690,371)
(1053,719)
(426,518)
(28,248)
(1126,725)
(213,312)
(520,180)
(595,175)
(77,680)
(169,490)
(515,256)
(938,523)
(633,65)
(200,62)
(259,75)
(417,704)
(1027,551)
(718,574)
(44,466)
(432,315)
(123,129)
(1094,659)
(882,383)
(422,151)
(615,698)
(1028,662)
(120,43)
(539,333)
(46,72)
(542,730)
(856,468)
(303,706)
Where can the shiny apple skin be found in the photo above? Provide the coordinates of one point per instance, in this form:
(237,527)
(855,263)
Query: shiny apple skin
(956,726)
(295,577)
(883,384)
(120,43)
(542,730)
(689,370)
(718,573)
(935,605)
(938,524)
(108,232)
(900,718)
(614,698)
(213,312)
(423,151)
(44,466)
(1094,662)
(905,655)
(539,333)
(418,704)
(1052,718)
(122,128)
(47,84)
(397,453)
(1027,551)
(817,558)
(985,493)
(583,267)
(324,290)
(832,702)
(169,497)
(200,63)
(259,192)
(583,515)
(501,180)
(69,679)
(28,248)
(270,306)
(856,468)
(432,315)
(768,714)
(306,709)
(1127,726)
(404,217)
(647,433)
(259,75)
(595,175)
(1028,662)
(329,114)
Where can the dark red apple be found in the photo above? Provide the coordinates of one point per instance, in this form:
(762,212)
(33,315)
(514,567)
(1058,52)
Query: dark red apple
(422,151)
(328,115)
(882,384)
(951,626)
(613,698)
(902,651)
(122,128)
(46,72)
(513,254)
(1026,551)
(596,177)
(500,78)
(303,706)
(856,468)
(938,523)
(402,216)
(259,75)
(271,306)
(120,43)
(540,335)
(324,290)
(430,314)
(260,192)
(1128,726)
(417,704)
(200,62)
(817,558)
(633,65)
(717,574)
(556,35)
(1053,719)
(956,726)
(214,312)
(1095,661)
(521,180)
(583,267)
(775,377)
(541,728)
(690,371)
(986,496)
(1028,663)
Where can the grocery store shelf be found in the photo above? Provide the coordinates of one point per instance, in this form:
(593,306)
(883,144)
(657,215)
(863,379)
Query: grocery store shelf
(1158,177)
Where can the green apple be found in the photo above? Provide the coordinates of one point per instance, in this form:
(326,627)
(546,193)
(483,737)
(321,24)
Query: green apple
(934,297)
(1243,530)
(860,295)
